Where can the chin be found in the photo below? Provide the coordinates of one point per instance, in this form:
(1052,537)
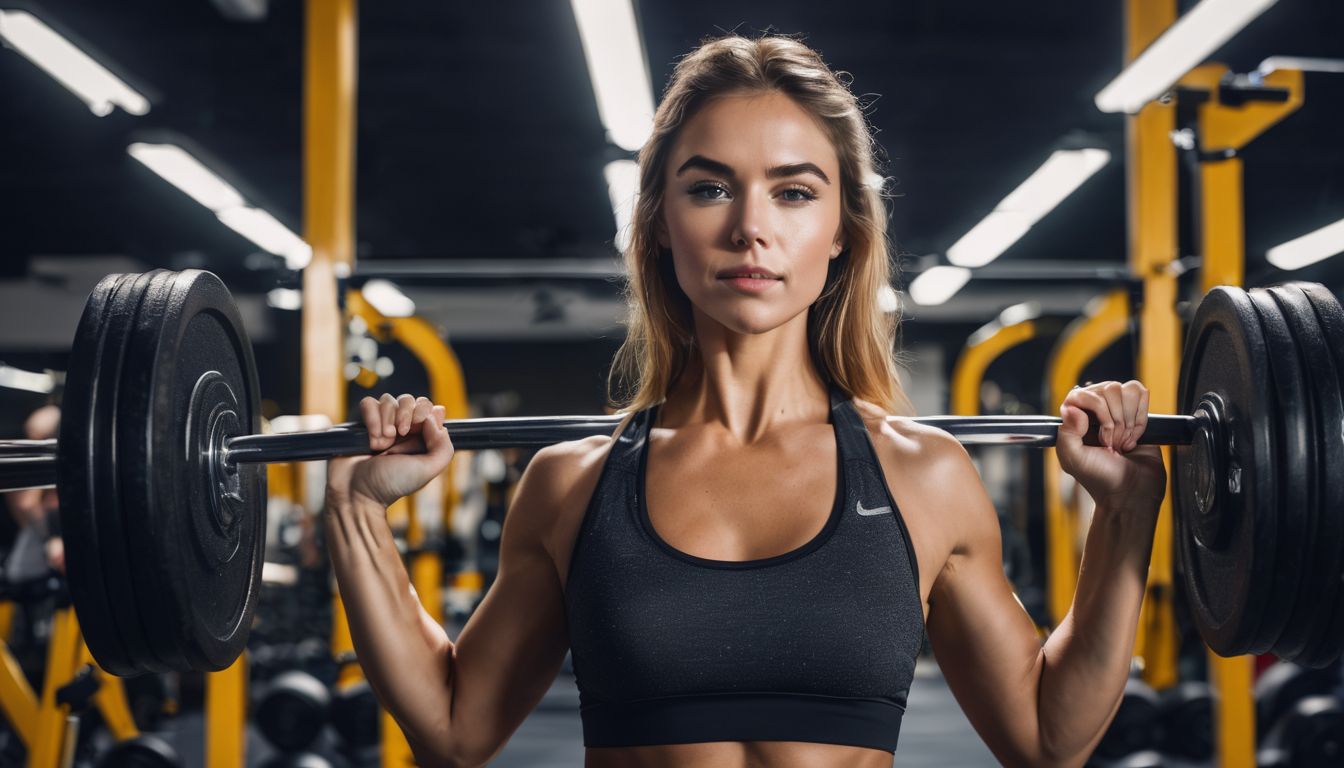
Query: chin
(752,321)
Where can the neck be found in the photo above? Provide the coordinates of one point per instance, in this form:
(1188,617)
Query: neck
(748,384)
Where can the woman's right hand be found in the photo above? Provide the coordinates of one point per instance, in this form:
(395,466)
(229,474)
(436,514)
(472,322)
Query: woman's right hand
(400,466)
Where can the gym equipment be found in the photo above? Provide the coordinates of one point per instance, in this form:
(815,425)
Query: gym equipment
(163,486)
(1185,712)
(1284,684)
(292,711)
(1311,733)
(1135,726)
(143,751)
(356,716)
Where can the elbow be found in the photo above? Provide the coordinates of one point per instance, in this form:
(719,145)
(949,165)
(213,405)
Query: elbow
(443,753)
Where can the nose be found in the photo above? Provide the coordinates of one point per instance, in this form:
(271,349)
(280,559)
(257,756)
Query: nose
(750,226)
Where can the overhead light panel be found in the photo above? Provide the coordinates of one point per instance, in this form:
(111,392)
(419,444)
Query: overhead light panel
(1057,178)
(181,169)
(1308,249)
(1185,45)
(70,66)
(387,298)
(623,190)
(284,298)
(938,284)
(617,68)
(262,228)
(185,172)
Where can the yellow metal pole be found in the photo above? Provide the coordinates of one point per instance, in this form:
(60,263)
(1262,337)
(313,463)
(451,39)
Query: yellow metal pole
(975,359)
(1152,210)
(62,660)
(1078,345)
(331,32)
(226,716)
(17,697)
(110,699)
(1222,131)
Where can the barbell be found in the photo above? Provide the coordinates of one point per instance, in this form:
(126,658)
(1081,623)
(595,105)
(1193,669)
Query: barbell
(162,486)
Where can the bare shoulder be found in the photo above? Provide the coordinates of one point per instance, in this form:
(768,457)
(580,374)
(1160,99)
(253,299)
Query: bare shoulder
(910,443)
(553,495)
(933,473)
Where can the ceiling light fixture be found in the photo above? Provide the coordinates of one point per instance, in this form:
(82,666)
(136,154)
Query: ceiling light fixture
(1183,46)
(1057,178)
(181,169)
(1309,248)
(617,68)
(77,71)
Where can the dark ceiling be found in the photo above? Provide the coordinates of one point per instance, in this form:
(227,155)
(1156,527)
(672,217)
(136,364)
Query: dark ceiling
(478,135)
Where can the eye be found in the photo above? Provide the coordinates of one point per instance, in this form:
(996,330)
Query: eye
(798,194)
(708,190)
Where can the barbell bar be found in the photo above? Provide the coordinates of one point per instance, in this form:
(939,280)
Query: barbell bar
(161,469)
(32,463)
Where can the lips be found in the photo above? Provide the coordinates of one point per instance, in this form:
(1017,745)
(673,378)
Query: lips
(754,273)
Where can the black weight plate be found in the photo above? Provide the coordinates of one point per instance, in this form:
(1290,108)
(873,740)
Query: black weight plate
(1320,581)
(1294,467)
(356,716)
(1227,580)
(1330,315)
(75,472)
(201,535)
(1134,727)
(111,509)
(143,751)
(1312,732)
(293,711)
(1186,713)
(139,465)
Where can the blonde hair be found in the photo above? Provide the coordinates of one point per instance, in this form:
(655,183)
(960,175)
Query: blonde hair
(852,341)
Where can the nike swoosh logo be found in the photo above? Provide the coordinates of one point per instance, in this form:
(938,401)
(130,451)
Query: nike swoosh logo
(873,511)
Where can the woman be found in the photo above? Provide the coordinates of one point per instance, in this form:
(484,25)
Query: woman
(720,611)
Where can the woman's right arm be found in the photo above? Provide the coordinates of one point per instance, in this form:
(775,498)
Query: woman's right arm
(459,703)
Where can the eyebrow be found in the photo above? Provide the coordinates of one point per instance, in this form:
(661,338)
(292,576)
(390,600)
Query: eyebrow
(779,171)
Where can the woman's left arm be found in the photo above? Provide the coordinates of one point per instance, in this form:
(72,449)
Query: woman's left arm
(1050,704)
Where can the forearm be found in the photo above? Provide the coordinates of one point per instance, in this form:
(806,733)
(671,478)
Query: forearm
(1086,660)
(405,662)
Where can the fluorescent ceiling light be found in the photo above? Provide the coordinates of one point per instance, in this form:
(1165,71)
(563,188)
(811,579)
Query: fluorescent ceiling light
(1019,313)
(28,381)
(988,239)
(284,298)
(1057,178)
(262,228)
(1182,47)
(185,172)
(387,299)
(1309,248)
(70,66)
(179,168)
(623,190)
(938,284)
(617,67)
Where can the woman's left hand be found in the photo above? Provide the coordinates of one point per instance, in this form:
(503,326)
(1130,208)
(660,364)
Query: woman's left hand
(1119,472)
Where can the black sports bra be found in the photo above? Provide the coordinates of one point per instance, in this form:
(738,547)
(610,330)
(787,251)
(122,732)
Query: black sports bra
(817,644)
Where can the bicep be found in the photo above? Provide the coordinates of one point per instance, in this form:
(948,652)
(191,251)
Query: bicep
(985,642)
(512,647)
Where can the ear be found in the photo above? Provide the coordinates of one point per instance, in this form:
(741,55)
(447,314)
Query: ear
(838,247)
(660,231)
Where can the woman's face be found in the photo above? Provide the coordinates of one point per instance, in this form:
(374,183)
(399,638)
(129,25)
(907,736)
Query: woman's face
(752,187)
